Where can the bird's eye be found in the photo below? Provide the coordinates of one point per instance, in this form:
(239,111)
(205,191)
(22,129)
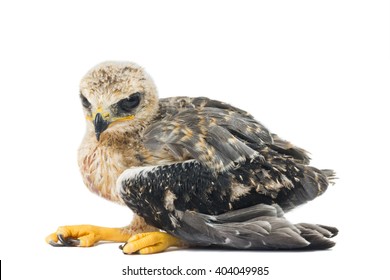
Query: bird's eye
(85,102)
(128,104)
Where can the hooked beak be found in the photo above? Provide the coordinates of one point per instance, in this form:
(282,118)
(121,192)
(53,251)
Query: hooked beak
(100,125)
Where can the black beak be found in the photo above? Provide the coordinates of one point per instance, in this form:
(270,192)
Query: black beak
(100,125)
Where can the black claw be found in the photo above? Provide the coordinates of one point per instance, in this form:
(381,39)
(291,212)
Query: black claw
(68,242)
(74,242)
(61,239)
(122,246)
(54,244)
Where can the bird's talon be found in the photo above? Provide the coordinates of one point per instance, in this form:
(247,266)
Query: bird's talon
(150,243)
(122,246)
(85,236)
(55,244)
(62,240)
(68,242)
(73,242)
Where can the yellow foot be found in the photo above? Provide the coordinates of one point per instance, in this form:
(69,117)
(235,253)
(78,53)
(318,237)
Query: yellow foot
(85,235)
(150,243)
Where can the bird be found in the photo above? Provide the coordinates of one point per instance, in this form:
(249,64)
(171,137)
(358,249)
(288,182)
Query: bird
(195,171)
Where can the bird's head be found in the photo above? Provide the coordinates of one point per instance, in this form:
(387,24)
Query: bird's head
(117,97)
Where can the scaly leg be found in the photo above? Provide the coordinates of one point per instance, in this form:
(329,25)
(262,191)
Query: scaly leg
(88,235)
(150,243)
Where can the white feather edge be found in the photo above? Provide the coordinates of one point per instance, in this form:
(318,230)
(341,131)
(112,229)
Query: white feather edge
(140,171)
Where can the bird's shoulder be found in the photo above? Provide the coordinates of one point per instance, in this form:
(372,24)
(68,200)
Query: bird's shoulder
(173,105)
(209,116)
(213,132)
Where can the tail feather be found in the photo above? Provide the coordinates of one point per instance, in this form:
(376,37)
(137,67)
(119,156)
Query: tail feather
(330,175)
(313,183)
(243,229)
(318,235)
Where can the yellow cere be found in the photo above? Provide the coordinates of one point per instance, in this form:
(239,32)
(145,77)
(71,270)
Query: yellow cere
(127,118)
(107,115)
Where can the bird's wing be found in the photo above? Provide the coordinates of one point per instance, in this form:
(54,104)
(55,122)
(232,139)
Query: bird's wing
(214,133)
(287,149)
(237,156)
(189,201)
(225,161)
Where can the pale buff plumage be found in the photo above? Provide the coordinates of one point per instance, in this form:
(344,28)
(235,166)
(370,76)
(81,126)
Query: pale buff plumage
(101,162)
(102,159)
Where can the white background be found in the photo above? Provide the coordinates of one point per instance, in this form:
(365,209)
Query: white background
(315,72)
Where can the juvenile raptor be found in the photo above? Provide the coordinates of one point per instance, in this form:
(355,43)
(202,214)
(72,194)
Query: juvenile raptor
(195,171)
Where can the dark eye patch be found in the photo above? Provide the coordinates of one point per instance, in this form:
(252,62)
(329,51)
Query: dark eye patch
(85,102)
(128,104)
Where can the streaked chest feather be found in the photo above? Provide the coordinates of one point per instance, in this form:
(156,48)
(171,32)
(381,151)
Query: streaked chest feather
(100,167)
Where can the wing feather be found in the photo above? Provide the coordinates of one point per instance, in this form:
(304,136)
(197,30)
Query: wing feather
(214,133)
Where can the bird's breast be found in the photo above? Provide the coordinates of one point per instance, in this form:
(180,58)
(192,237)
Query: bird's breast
(100,167)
